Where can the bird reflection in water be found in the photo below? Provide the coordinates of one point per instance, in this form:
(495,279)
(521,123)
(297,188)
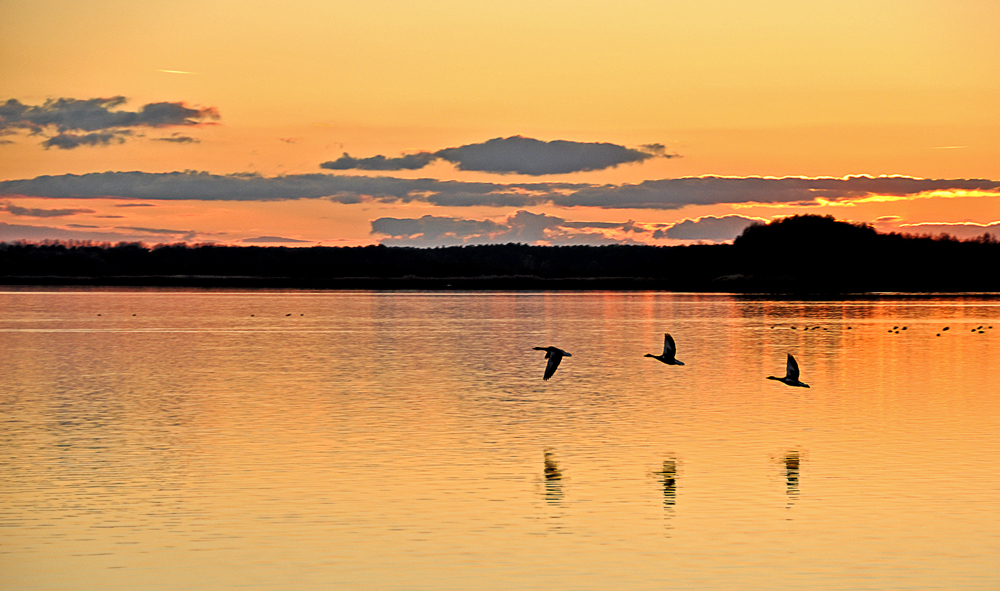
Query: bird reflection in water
(553,479)
(668,477)
(792,476)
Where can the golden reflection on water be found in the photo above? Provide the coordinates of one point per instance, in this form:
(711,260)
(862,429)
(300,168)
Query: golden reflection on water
(305,440)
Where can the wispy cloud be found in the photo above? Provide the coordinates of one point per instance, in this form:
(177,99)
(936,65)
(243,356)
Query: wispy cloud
(177,138)
(516,154)
(70,123)
(662,194)
(155,230)
(33,212)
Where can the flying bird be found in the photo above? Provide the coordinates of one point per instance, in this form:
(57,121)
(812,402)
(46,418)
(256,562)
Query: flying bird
(554,355)
(669,351)
(791,374)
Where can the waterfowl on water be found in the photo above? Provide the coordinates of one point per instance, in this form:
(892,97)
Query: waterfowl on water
(669,351)
(554,355)
(791,374)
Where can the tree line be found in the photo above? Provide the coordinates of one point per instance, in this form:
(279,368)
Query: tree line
(798,254)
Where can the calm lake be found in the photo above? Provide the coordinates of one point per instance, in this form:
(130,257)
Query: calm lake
(397,440)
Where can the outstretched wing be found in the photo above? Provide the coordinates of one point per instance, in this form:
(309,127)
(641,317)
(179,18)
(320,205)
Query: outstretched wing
(554,358)
(792,371)
(669,348)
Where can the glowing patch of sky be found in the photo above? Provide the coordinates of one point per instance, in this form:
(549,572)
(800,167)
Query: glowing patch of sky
(771,88)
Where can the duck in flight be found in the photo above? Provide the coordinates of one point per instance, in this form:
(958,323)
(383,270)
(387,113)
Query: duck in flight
(669,351)
(554,355)
(791,374)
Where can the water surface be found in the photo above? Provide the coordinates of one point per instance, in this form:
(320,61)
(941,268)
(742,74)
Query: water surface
(365,440)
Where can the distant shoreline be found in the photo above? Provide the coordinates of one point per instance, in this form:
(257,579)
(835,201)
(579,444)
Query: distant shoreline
(453,284)
(802,255)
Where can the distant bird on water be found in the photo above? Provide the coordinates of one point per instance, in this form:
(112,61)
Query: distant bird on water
(669,351)
(791,374)
(554,355)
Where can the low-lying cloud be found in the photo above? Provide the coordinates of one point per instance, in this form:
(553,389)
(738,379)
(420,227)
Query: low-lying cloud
(272,240)
(28,233)
(70,123)
(522,227)
(512,155)
(709,228)
(962,231)
(663,194)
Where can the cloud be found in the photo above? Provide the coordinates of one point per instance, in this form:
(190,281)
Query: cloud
(272,240)
(408,162)
(154,230)
(16,232)
(522,155)
(522,227)
(41,213)
(72,123)
(716,229)
(711,190)
(203,186)
(68,141)
(662,194)
(178,139)
(515,154)
(962,231)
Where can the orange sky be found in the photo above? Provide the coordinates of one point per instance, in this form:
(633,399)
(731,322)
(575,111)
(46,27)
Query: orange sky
(733,89)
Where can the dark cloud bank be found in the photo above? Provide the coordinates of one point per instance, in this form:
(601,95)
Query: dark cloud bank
(512,155)
(70,123)
(655,194)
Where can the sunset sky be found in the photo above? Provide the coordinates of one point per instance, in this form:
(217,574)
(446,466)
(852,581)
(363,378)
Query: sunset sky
(444,122)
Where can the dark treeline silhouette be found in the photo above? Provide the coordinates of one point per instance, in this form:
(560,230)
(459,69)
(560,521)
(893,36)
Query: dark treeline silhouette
(801,254)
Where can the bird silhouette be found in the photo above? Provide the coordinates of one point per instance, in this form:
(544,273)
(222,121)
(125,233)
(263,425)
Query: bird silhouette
(669,351)
(554,355)
(791,374)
